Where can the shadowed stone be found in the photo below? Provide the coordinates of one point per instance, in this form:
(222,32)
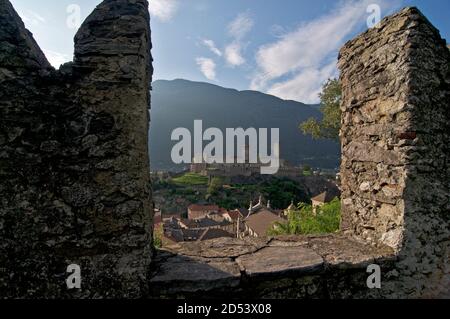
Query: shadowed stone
(276,260)
(74,166)
(181,274)
(220,248)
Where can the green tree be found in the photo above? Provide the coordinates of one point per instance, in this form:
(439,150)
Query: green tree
(329,126)
(303,221)
(215,185)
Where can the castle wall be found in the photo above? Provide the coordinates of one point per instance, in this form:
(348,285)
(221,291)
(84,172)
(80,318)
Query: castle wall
(395,142)
(74,168)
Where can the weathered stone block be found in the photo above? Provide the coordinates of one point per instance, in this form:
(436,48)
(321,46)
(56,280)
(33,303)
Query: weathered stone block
(395,142)
(75,185)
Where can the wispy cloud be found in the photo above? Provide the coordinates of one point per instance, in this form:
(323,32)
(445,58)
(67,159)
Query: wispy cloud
(297,64)
(233,54)
(212,47)
(306,85)
(233,51)
(56,58)
(164,10)
(240,26)
(207,67)
(32,18)
(238,29)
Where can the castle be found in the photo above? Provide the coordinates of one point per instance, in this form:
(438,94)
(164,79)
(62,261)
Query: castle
(242,169)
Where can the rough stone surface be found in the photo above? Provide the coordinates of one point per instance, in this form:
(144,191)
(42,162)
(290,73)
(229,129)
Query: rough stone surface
(396,149)
(275,261)
(74,169)
(220,248)
(285,267)
(178,273)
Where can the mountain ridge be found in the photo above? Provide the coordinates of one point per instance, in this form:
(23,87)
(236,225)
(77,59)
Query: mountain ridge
(177,103)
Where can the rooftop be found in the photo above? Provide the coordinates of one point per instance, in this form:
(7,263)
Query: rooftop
(202,223)
(325,197)
(261,221)
(237,213)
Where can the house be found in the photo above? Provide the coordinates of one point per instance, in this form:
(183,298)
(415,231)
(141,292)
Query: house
(321,199)
(197,211)
(218,216)
(233,215)
(259,220)
(202,223)
(172,236)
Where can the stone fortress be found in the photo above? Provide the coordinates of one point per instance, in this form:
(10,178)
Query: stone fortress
(75,186)
(242,169)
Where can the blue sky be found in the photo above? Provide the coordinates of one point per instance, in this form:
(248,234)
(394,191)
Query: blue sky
(283,47)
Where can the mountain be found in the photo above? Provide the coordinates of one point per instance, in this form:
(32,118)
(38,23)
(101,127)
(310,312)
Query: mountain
(178,103)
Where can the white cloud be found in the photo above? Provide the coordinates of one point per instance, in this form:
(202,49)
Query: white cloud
(306,85)
(164,10)
(233,54)
(297,64)
(240,26)
(207,67)
(56,58)
(212,47)
(32,18)
(238,29)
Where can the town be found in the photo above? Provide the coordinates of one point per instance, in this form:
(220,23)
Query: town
(200,213)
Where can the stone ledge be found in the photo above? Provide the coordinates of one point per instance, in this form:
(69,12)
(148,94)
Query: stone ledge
(300,265)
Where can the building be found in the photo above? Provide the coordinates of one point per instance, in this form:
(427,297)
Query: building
(234,215)
(197,211)
(176,235)
(177,230)
(322,199)
(259,220)
(200,223)
(218,216)
(235,168)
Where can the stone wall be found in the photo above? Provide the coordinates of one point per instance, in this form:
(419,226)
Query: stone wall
(74,169)
(288,267)
(396,149)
